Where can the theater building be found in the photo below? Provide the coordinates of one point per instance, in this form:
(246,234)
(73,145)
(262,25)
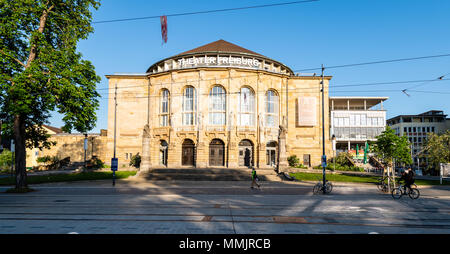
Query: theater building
(218,105)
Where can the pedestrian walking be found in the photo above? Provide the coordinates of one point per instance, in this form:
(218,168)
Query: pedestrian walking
(254,179)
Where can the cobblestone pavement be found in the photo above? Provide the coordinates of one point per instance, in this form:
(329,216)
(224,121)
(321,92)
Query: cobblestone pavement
(136,207)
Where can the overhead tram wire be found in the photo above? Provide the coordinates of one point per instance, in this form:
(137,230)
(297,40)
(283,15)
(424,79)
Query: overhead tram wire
(440,78)
(293,89)
(336,66)
(376,62)
(205,12)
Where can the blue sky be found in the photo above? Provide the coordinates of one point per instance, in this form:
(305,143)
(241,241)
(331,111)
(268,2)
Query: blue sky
(301,36)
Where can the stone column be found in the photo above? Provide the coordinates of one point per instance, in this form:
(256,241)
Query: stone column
(282,156)
(202,154)
(145,157)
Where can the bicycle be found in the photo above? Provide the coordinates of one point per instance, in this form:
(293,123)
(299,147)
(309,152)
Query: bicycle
(398,192)
(319,187)
(383,183)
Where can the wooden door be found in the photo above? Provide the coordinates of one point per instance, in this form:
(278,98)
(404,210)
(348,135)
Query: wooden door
(216,153)
(187,156)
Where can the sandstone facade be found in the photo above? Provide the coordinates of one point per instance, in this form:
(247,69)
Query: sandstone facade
(216,137)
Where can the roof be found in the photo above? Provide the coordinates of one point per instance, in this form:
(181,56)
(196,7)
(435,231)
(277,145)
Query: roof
(360,101)
(358,98)
(427,114)
(54,129)
(220,46)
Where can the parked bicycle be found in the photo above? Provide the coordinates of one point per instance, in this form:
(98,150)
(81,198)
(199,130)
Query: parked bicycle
(401,190)
(384,182)
(320,188)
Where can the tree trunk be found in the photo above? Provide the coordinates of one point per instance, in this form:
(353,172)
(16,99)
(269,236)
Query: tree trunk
(20,156)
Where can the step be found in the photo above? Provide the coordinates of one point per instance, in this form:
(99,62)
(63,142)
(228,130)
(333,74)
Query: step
(205,177)
(212,171)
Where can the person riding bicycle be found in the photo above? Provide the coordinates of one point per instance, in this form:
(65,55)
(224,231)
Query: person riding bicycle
(408,177)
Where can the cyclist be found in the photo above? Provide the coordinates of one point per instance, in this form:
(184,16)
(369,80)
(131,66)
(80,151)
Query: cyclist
(409,177)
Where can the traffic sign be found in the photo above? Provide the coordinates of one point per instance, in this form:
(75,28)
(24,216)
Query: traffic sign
(114,164)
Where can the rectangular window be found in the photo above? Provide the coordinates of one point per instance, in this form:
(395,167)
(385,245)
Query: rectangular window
(374,121)
(164,120)
(352,120)
(363,120)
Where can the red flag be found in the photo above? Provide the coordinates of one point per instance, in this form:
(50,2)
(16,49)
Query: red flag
(164,28)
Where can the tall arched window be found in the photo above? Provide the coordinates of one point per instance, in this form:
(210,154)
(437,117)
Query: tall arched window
(271,109)
(247,107)
(217,106)
(164,108)
(189,106)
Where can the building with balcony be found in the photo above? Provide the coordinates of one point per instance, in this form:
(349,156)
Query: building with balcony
(355,120)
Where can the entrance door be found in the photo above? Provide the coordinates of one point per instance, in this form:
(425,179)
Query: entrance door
(163,153)
(246,153)
(271,153)
(307,160)
(216,152)
(187,153)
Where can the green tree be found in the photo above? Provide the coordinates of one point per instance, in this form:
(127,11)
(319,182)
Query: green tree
(437,149)
(389,146)
(42,72)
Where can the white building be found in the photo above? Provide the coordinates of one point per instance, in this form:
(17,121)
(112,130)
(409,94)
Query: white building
(417,128)
(355,120)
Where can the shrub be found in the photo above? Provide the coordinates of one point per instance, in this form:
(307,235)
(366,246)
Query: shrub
(135,160)
(293,160)
(97,163)
(342,159)
(301,166)
(6,159)
(44,159)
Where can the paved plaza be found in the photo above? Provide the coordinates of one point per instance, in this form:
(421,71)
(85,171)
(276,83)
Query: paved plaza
(134,206)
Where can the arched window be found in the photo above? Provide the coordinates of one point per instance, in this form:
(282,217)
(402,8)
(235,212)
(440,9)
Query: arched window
(217,106)
(164,108)
(271,109)
(246,107)
(189,106)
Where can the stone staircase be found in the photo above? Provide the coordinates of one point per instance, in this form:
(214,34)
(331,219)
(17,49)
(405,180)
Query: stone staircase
(207,174)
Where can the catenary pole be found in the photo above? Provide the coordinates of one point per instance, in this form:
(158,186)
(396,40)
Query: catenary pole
(323,134)
(115,123)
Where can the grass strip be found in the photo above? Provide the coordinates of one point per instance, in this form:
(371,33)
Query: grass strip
(355,179)
(81,176)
